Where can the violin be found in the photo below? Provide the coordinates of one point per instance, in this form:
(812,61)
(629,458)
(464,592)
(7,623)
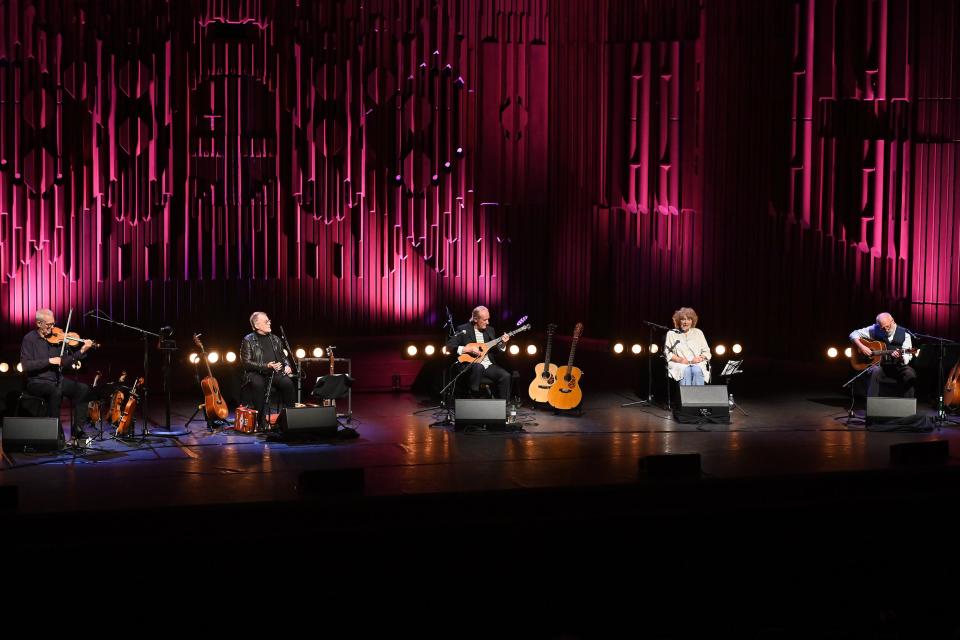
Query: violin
(125,426)
(72,339)
(93,407)
(116,402)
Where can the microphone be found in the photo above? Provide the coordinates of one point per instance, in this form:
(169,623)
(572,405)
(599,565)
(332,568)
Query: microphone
(89,313)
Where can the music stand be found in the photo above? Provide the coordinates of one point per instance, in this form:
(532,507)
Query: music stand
(730,369)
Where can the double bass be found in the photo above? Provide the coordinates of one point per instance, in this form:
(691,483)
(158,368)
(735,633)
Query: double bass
(213,403)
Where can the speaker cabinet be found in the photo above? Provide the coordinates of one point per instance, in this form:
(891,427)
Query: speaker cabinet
(703,403)
(31,434)
(885,409)
(474,413)
(308,421)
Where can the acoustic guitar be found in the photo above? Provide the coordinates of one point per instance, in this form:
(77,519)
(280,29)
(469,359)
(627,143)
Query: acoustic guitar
(213,403)
(484,347)
(545,373)
(860,361)
(565,392)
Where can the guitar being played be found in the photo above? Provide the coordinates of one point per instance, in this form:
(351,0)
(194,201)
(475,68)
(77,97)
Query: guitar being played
(476,344)
(889,347)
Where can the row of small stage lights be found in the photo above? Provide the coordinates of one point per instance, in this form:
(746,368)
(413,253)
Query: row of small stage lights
(428,350)
(618,348)
(833,352)
(231,356)
(5,367)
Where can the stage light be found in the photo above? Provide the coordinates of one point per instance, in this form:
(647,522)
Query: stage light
(412,351)
(514,349)
(654,348)
(447,165)
(848,352)
(429,350)
(832,352)
(398,179)
(212,357)
(317,352)
(19,367)
(458,152)
(720,350)
(636,349)
(194,358)
(618,348)
(737,348)
(4,367)
(435,179)
(231,356)
(445,351)
(531,349)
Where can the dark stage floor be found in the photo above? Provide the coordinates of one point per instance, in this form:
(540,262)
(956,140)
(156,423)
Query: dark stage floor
(401,454)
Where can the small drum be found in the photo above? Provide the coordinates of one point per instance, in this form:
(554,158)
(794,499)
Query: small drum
(246,420)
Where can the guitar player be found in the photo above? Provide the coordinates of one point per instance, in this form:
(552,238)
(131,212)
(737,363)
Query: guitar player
(479,331)
(895,368)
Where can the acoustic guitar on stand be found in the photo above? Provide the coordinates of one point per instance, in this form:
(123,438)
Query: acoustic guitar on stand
(483,347)
(565,392)
(546,371)
(213,403)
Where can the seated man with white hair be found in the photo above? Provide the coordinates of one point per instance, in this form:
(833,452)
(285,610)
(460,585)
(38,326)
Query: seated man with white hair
(894,368)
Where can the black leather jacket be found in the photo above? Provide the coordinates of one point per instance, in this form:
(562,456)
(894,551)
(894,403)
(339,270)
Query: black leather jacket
(251,355)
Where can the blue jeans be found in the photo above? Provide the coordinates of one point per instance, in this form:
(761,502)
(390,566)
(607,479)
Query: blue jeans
(692,375)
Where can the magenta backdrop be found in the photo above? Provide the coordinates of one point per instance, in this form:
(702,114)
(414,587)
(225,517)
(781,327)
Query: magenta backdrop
(354,166)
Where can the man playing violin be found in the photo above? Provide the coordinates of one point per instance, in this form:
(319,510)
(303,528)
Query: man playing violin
(478,330)
(43,367)
(262,356)
(893,369)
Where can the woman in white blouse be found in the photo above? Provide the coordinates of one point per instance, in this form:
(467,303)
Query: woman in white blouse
(687,350)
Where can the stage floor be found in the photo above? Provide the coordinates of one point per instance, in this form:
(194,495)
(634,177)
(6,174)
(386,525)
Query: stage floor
(402,454)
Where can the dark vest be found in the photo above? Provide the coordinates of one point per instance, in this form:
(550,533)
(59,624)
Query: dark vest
(899,335)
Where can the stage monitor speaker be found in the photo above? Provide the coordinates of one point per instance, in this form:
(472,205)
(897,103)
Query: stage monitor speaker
(31,434)
(703,403)
(886,409)
(482,412)
(308,421)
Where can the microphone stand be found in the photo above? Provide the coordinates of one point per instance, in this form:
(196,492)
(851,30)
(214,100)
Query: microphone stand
(145,388)
(941,416)
(296,364)
(649,401)
(451,332)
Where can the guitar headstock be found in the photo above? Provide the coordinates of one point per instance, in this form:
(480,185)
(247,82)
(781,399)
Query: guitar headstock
(196,340)
(551,329)
(577,330)
(330,351)
(123,376)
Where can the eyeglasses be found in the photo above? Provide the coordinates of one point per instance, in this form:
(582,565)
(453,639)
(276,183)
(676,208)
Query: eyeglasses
(46,324)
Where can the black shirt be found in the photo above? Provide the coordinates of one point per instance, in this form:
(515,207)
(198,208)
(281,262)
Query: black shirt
(35,354)
(266,346)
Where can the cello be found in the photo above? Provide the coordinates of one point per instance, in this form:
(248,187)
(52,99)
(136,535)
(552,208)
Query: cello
(214,406)
(126,424)
(951,390)
(116,402)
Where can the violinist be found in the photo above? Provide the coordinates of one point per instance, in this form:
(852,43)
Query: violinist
(43,366)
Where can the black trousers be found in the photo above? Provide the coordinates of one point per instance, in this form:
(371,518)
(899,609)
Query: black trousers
(254,391)
(54,394)
(898,375)
(495,374)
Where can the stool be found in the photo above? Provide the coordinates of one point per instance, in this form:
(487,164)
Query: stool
(486,388)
